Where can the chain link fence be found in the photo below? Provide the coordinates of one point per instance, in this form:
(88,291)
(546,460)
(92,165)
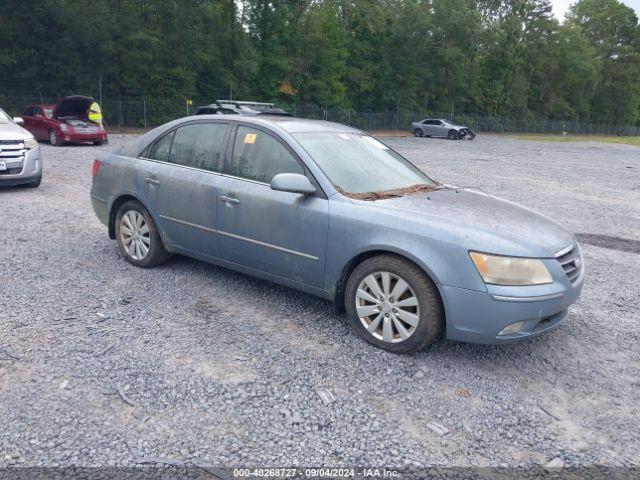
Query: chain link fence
(149,111)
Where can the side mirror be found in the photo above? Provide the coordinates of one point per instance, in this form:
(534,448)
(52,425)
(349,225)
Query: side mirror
(293,183)
(18,120)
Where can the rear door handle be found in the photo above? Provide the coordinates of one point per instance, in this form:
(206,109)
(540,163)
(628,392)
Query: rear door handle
(152,181)
(229,199)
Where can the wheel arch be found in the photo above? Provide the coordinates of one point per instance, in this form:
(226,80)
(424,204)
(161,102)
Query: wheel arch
(113,211)
(373,252)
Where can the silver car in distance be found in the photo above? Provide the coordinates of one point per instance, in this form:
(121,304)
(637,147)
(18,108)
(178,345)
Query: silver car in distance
(332,211)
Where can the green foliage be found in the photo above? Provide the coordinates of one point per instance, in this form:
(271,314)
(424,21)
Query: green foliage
(492,57)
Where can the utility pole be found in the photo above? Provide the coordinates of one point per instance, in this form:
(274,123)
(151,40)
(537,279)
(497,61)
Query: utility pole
(100,90)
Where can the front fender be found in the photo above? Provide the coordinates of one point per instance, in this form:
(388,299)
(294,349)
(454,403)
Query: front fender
(354,230)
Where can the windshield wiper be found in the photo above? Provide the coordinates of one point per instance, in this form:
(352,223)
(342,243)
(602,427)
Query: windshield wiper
(399,192)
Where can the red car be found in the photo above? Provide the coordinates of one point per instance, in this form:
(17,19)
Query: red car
(65,122)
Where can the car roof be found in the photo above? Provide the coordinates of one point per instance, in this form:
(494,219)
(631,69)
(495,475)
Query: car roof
(288,124)
(274,122)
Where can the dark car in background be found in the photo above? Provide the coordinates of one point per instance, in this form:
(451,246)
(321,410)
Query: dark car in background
(438,127)
(238,107)
(64,122)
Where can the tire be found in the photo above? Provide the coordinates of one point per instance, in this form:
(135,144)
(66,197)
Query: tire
(418,132)
(98,142)
(35,184)
(54,139)
(453,135)
(156,254)
(420,291)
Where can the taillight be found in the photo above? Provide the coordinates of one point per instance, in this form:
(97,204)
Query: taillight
(95,168)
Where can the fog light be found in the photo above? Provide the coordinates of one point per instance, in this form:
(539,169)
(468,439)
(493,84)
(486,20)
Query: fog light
(511,329)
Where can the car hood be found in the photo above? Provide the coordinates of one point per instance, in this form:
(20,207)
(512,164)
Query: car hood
(75,106)
(11,131)
(480,222)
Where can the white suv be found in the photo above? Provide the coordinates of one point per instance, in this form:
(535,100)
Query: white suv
(20,159)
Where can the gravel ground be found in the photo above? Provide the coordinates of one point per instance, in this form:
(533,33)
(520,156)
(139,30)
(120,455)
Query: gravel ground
(103,363)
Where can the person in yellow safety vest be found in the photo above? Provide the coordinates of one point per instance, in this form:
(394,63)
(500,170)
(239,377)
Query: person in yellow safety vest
(95,114)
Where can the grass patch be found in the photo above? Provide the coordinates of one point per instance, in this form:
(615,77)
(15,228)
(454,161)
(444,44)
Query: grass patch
(581,138)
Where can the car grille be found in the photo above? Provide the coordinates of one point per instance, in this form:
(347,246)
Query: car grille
(12,152)
(572,264)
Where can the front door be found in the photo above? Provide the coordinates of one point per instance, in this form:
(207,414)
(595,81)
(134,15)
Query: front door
(281,233)
(180,180)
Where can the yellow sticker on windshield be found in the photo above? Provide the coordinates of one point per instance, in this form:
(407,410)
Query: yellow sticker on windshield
(250,138)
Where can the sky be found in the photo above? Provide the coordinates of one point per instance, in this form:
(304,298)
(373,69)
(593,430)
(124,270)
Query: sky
(561,6)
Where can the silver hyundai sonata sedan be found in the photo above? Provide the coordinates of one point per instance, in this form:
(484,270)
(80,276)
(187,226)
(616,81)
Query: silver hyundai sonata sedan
(332,211)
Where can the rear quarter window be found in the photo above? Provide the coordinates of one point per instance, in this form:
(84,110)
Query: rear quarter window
(161,148)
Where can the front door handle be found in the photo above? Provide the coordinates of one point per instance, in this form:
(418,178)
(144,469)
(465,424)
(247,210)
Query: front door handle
(229,199)
(152,181)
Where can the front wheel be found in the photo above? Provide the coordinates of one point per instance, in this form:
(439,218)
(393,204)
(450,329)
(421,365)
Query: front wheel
(54,139)
(138,236)
(454,135)
(393,305)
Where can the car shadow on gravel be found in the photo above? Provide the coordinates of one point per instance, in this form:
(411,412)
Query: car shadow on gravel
(314,318)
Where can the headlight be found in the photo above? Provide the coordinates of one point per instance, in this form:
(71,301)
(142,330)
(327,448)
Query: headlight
(30,143)
(64,127)
(510,270)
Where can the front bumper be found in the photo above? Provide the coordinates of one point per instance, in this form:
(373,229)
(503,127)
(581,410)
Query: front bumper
(21,171)
(78,137)
(479,317)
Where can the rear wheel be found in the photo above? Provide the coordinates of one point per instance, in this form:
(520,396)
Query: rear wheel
(418,132)
(454,135)
(393,305)
(138,236)
(54,139)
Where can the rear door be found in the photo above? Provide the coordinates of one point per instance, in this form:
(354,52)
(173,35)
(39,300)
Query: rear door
(39,123)
(440,129)
(430,128)
(180,178)
(280,233)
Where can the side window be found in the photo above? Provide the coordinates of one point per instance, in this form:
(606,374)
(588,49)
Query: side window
(28,112)
(160,150)
(259,156)
(37,111)
(427,122)
(199,145)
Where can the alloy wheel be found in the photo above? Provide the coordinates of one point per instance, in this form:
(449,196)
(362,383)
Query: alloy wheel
(53,138)
(135,234)
(387,307)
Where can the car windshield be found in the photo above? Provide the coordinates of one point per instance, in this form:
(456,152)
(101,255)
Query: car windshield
(4,118)
(359,164)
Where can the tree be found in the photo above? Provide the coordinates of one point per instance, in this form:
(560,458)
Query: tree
(612,29)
